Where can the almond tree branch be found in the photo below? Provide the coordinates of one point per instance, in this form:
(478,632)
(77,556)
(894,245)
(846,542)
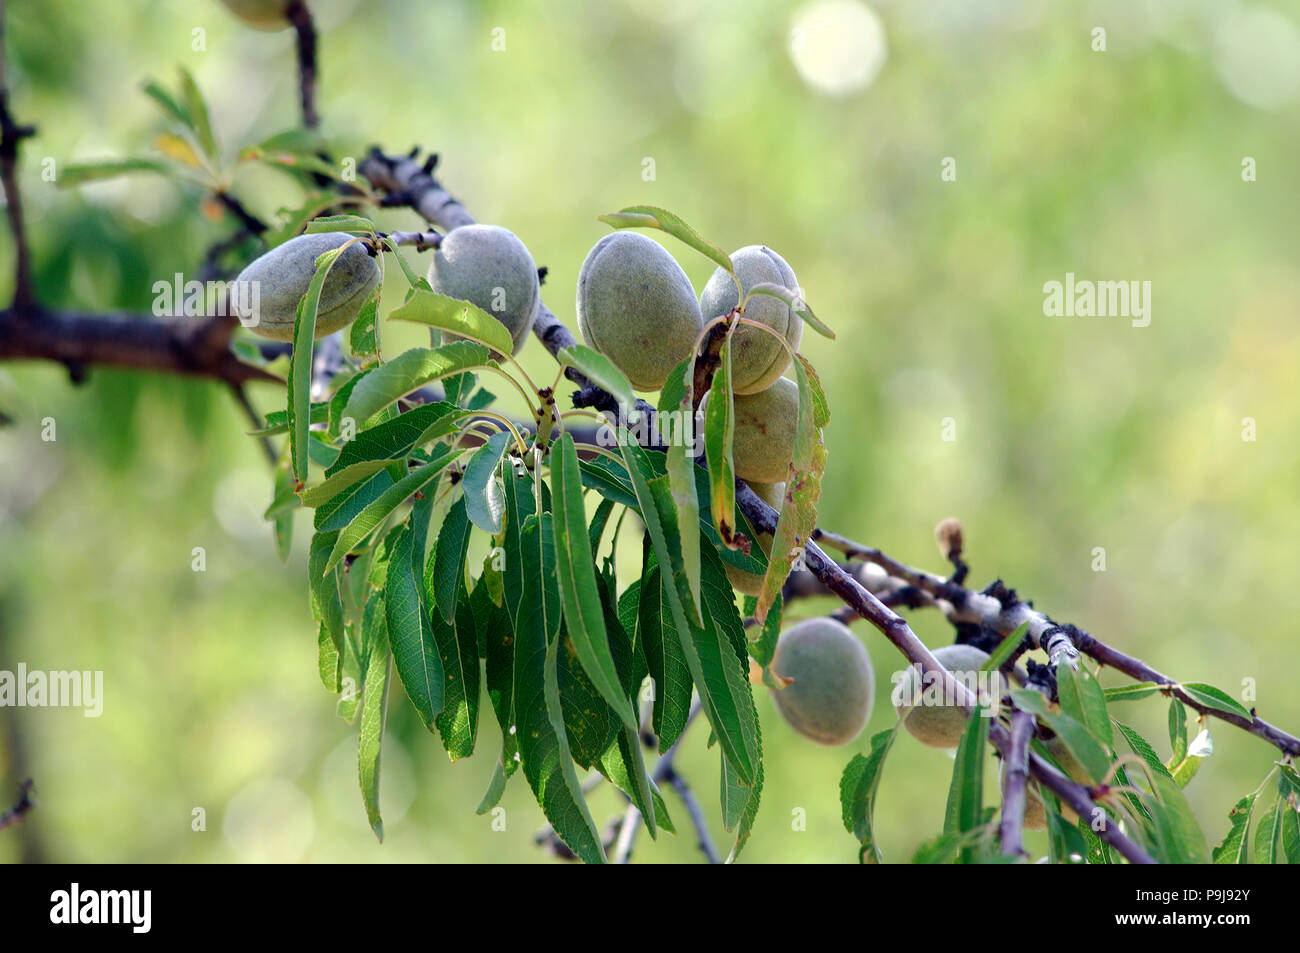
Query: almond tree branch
(1015,777)
(188,346)
(299,15)
(413,184)
(11,134)
(1000,610)
(25,804)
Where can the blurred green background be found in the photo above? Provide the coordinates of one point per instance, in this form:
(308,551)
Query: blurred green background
(816,128)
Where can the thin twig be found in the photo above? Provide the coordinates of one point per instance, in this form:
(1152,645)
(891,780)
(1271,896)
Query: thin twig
(25,804)
(299,15)
(664,771)
(966,605)
(254,418)
(696,813)
(11,135)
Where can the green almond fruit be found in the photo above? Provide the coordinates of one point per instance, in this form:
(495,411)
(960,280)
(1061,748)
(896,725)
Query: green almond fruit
(636,306)
(489,267)
(762,443)
(757,358)
(272,286)
(1035,816)
(832,686)
(928,716)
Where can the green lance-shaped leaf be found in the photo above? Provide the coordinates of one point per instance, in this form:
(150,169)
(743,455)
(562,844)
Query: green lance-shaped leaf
(449,560)
(1099,851)
(1289,806)
(1179,839)
(664,658)
(858,787)
(167,103)
(484,503)
(1177,732)
(598,523)
(327,607)
(284,504)
(496,786)
(79,173)
(1215,699)
(459,317)
(493,623)
(1006,648)
(338,511)
(340,223)
(575,569)
(1235,848)
(613,765)
(939,849)
(363,336)
(734,795)
(458,651)
(347,382)
(716,655)
(746,826)
(543,743)
(374,716)
(966,793)
(739,805)
(374,514)
(410,632)
(763,645)
(416,281)
(804,487)
(395,439)
(719,432)
(410,371)
(319,452)
(335,483)
(659,514)
(1266,834)
(796,303)
(1134,692)
(197,110)
(1086,749)
(1083,700)
(1065,844)
(1142,748)
(677,400)
(602,372)
(304,335)
(650,216)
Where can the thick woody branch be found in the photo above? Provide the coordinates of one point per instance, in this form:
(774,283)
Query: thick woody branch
(196,347)
(1015,778)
